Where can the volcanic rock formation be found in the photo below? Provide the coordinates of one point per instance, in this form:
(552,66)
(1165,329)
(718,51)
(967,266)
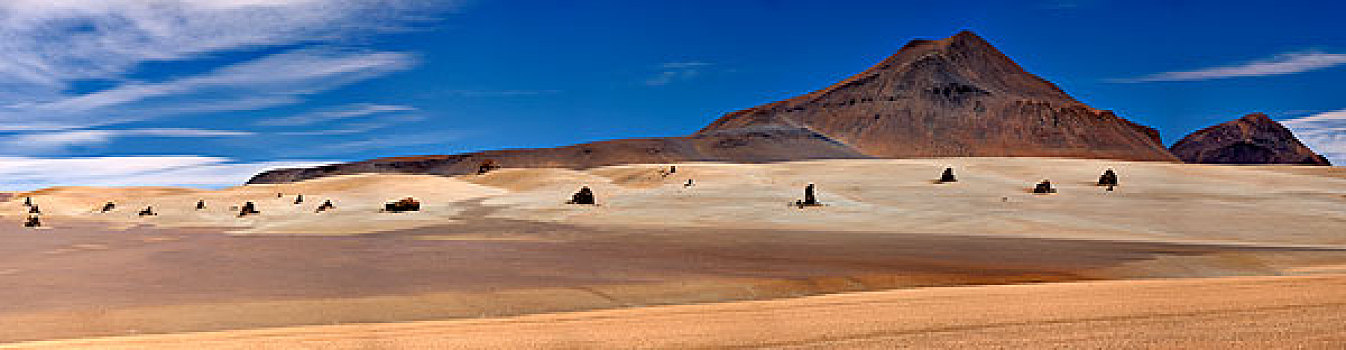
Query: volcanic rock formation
(944,98)
(1253,139)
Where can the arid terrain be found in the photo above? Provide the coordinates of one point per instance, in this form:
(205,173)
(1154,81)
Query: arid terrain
(1177,255)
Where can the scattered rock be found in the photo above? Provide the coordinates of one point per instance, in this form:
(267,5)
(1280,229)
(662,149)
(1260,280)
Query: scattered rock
(27,201)
(148,211)
(487,166)
(947,176)
(33,209)
(584,196)
(401,205)
(327,204)
(109,207)
(810,200)
(688,184)
(1044,187)
(32,221)
(248,209)
(1109,178)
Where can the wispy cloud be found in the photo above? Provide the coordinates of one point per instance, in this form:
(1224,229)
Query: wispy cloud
(675,71)
(57,141)
(1323,132)
(270,81)
(339,113)
(49,46)
(1289,63)
(28,173)
(53,42)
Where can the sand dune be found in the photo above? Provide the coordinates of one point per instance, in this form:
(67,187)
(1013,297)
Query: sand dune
(505,244)
(1247,312)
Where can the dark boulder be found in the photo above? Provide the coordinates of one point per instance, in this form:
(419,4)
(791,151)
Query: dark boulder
(200,204)
(1044,187)
(148,211)
(810,199)
(32,221)
(299,199)
(34,209)
(327,204)
(109,207)
(584,196)
(947,176)
(248,209)
(401,205)
(1109,178)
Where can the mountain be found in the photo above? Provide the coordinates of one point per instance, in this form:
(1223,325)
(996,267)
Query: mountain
(953,97)
(1253,139)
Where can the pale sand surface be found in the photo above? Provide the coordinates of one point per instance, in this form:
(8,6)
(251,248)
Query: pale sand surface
(1235,312)
(1156,201)
(505,243)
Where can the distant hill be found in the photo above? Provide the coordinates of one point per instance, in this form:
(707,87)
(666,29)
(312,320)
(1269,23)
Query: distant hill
(954,97)
(1253,139)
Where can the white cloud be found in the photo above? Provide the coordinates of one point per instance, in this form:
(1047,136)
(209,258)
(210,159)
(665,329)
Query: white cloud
(675,71)
(52,42)
(339,113)
(1324,132)
(266,82)
(48,48)
(55,141)
(1282,64)
(29,173)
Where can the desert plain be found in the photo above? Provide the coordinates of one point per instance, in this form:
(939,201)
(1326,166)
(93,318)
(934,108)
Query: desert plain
(1177,255)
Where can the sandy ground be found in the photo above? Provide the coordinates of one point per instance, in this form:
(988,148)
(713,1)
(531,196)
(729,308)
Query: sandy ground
(1156,201)
(505,244)
(1239,312)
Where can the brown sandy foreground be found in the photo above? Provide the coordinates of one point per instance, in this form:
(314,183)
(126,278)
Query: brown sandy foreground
(502,254)
(1236,312)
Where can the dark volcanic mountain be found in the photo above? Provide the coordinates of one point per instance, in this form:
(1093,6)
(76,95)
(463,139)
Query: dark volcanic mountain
(954,97)
(947,98)
(1253,139)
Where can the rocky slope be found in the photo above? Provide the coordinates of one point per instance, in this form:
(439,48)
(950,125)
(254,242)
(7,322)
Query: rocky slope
(953,97)
(1253,139)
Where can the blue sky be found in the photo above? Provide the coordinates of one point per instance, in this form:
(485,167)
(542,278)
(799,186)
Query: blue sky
(207,92)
